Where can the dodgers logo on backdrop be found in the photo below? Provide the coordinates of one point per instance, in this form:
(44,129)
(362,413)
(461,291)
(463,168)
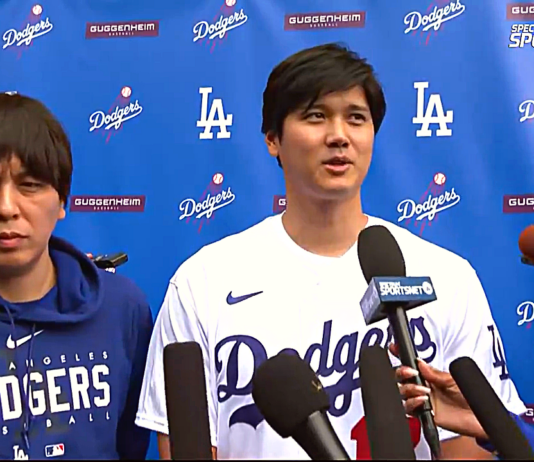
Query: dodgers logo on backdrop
(227,19)
(215,118)
(433,114)
(214,197)
(433,19)
(525,311)
(36,26)
(436,199)
(526,109)
(122,110)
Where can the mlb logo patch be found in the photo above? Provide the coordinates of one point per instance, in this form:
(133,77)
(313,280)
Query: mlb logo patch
(54,450)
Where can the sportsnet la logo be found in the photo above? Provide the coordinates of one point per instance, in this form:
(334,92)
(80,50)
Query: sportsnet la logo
(122,110)
(521,35)
(34,26)
(434,200)
(227,19)
(436,14)
(213,198)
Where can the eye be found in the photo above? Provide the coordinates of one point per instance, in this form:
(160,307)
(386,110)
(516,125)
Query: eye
(359,117)
(314,115)
(31,184)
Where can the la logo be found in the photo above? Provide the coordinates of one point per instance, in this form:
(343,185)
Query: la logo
(434,113)
(216,117)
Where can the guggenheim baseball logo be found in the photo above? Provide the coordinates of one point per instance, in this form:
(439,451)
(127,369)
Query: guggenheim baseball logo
(107,204)
(314,21)
(123,29)
(518,203)
(279,203)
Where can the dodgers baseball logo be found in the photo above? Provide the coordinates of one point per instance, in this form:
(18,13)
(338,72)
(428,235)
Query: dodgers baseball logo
(434,200)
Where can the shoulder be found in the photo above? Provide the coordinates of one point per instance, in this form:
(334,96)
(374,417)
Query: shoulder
(422,256)
(231,251)
(121,292)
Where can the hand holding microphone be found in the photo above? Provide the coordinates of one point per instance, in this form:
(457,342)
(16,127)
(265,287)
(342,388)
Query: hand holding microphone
(451,410)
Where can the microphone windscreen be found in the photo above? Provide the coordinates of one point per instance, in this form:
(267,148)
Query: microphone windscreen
(187,404)
(387,425)
(287,391)
(379,254)
(526,242)
(501,429)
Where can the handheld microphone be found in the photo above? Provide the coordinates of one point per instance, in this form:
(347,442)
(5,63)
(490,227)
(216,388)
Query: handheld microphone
(110,261)
(294,403)
(526,245)
(489,410)
(186,400)
(387,426)
(389,294)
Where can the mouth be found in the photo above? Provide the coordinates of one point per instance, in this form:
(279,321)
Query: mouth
(10,235)
(338,161)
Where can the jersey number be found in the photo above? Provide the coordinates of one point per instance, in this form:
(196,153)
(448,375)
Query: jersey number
(359,434)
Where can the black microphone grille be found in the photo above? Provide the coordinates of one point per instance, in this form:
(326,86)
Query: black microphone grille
(287,391)
(379,254)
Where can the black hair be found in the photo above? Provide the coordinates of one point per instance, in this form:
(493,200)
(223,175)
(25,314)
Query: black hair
(29,131)
(304,77)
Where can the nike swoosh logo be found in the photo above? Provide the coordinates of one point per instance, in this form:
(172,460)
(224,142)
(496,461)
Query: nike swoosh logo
(233,300)
(11,344)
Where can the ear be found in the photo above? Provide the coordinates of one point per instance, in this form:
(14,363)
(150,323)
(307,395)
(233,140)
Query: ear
(62,212)
(273,143)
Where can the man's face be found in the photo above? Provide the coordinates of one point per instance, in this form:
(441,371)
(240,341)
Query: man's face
(326,151)
(29,210)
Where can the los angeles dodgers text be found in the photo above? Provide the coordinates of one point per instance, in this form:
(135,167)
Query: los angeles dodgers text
(61,387)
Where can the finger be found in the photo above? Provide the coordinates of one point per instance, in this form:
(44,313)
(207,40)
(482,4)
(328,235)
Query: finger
(411,390)
(410,405)
(393,347)
(404,373)
(432,375)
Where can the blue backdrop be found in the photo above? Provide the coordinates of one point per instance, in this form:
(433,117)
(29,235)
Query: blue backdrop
(127,78)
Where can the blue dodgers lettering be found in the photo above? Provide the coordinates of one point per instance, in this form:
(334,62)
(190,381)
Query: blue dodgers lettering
(343,360)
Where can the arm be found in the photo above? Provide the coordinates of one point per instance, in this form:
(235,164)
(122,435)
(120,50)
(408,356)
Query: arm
(133,441)
(180,319)
(472,332)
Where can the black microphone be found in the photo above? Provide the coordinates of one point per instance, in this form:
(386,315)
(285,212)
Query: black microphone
(489,410)
(294,403)
(387,426)
(384,269)
(187,404)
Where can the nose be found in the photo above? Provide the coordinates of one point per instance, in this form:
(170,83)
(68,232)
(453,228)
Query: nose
(8,203)
(337,135)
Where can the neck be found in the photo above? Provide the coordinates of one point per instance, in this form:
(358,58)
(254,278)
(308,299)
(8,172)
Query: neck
(31,284)
(329,228)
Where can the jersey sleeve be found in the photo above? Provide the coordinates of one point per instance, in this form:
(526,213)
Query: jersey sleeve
(472,332)
(177,321)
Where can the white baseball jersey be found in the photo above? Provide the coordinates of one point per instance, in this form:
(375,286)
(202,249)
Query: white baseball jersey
(251,295)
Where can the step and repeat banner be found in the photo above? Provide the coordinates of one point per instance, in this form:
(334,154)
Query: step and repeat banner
(162,101)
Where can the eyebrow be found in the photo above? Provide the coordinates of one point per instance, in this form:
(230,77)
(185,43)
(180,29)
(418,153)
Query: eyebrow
(351,107)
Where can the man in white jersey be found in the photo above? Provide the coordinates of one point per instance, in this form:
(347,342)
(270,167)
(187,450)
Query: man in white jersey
(293,281)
